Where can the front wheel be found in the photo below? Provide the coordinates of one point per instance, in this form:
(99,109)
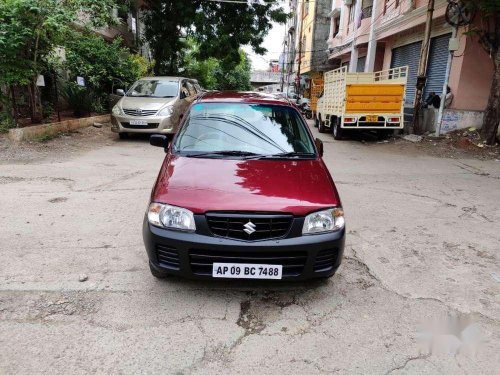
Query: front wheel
(337,130)
(316,121)
(309,115)
(321,126)
(123,135)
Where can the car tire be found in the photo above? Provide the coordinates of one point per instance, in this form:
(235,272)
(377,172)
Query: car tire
(337,130)
(123,135)
(156,273)
(316,121)
(321,126)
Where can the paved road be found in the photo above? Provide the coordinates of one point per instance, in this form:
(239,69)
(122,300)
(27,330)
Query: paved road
(423,246)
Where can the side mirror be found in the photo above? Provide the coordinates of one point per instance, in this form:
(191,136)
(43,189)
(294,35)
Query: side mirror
(159,140)
(120,92)
(319,145)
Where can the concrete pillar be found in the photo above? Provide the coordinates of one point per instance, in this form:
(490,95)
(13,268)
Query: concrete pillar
(372,39)
(354,51)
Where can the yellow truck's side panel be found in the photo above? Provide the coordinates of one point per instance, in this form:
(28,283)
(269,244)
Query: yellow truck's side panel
(374,98)
(316,89)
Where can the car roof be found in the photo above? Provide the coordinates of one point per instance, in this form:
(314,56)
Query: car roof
(243,97)
(167,78)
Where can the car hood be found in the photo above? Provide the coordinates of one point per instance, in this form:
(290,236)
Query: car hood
(201,185)
(144,103)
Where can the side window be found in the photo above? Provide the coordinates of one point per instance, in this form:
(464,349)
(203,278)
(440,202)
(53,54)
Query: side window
(190,87)
(185,89)
(197,87)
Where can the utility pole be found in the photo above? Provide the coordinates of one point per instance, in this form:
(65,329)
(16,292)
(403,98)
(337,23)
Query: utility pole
(422,68)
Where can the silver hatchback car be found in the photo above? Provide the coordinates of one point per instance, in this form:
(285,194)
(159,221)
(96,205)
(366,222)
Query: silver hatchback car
(153,105)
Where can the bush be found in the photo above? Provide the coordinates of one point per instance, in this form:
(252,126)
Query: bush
(79,99)
(100,63)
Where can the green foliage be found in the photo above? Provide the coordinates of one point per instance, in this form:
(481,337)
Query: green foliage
(102,63)
(31,29)
(80,99)
(213,74)
(235,78)
(6,120)
(219,28)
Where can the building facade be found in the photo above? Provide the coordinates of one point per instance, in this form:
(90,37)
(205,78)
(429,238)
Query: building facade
(311,50)
(372,35)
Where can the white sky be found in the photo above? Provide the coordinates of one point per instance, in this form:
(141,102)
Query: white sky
(273,42)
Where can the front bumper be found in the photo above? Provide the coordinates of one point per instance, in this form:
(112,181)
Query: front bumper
(191,255)
(156,124)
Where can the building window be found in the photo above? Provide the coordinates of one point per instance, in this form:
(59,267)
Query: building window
(352,10)
(366,9)
(336,27)
(388,3)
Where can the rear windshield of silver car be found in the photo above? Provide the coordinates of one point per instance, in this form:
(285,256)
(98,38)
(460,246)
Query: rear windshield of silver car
(154,89)
(246,128)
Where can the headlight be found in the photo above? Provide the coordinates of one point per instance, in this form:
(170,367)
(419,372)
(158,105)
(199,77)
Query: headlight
(117,111)
(324,221)
(171,217)
(167,111)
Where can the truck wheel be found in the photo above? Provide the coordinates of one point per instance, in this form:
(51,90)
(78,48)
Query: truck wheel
(321,126)
(337,130)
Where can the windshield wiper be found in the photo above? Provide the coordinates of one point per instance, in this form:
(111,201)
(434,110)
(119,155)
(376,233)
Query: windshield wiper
(288,155)
(225,153)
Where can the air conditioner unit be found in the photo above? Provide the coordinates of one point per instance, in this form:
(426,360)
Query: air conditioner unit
(347,2)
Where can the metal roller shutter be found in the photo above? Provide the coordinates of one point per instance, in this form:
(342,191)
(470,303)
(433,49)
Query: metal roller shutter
(408,55)
(436,68)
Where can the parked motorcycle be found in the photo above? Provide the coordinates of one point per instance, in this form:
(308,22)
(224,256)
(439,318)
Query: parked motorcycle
(305,109)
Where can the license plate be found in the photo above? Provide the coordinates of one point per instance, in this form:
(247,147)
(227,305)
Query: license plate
(138,122)
(372,118)
(247,271)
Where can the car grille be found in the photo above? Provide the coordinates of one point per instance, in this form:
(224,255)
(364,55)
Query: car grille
(167,256)
(140,112)
(261,226)
(152,125)
(325,260)
(201,261)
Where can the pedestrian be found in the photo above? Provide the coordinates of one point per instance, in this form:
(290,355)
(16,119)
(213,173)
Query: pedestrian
(448,99)
(432,100)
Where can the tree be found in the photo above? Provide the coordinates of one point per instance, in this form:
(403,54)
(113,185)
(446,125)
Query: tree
(237,77)
(488,32)
(219,28)
(213,74)
(102,63)
(30,30)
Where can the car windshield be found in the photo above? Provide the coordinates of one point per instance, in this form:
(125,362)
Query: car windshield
(154,89)
(237,129)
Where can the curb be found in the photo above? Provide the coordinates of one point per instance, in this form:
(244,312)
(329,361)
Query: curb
(37,131)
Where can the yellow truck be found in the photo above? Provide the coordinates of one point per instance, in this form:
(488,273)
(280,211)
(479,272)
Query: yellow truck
(357,101)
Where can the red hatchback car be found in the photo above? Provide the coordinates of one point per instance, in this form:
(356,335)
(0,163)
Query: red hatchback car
(243,193)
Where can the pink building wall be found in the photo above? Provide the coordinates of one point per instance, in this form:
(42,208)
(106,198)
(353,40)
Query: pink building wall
(471,75)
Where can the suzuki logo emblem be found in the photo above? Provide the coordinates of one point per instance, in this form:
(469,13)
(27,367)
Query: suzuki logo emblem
(249,227)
